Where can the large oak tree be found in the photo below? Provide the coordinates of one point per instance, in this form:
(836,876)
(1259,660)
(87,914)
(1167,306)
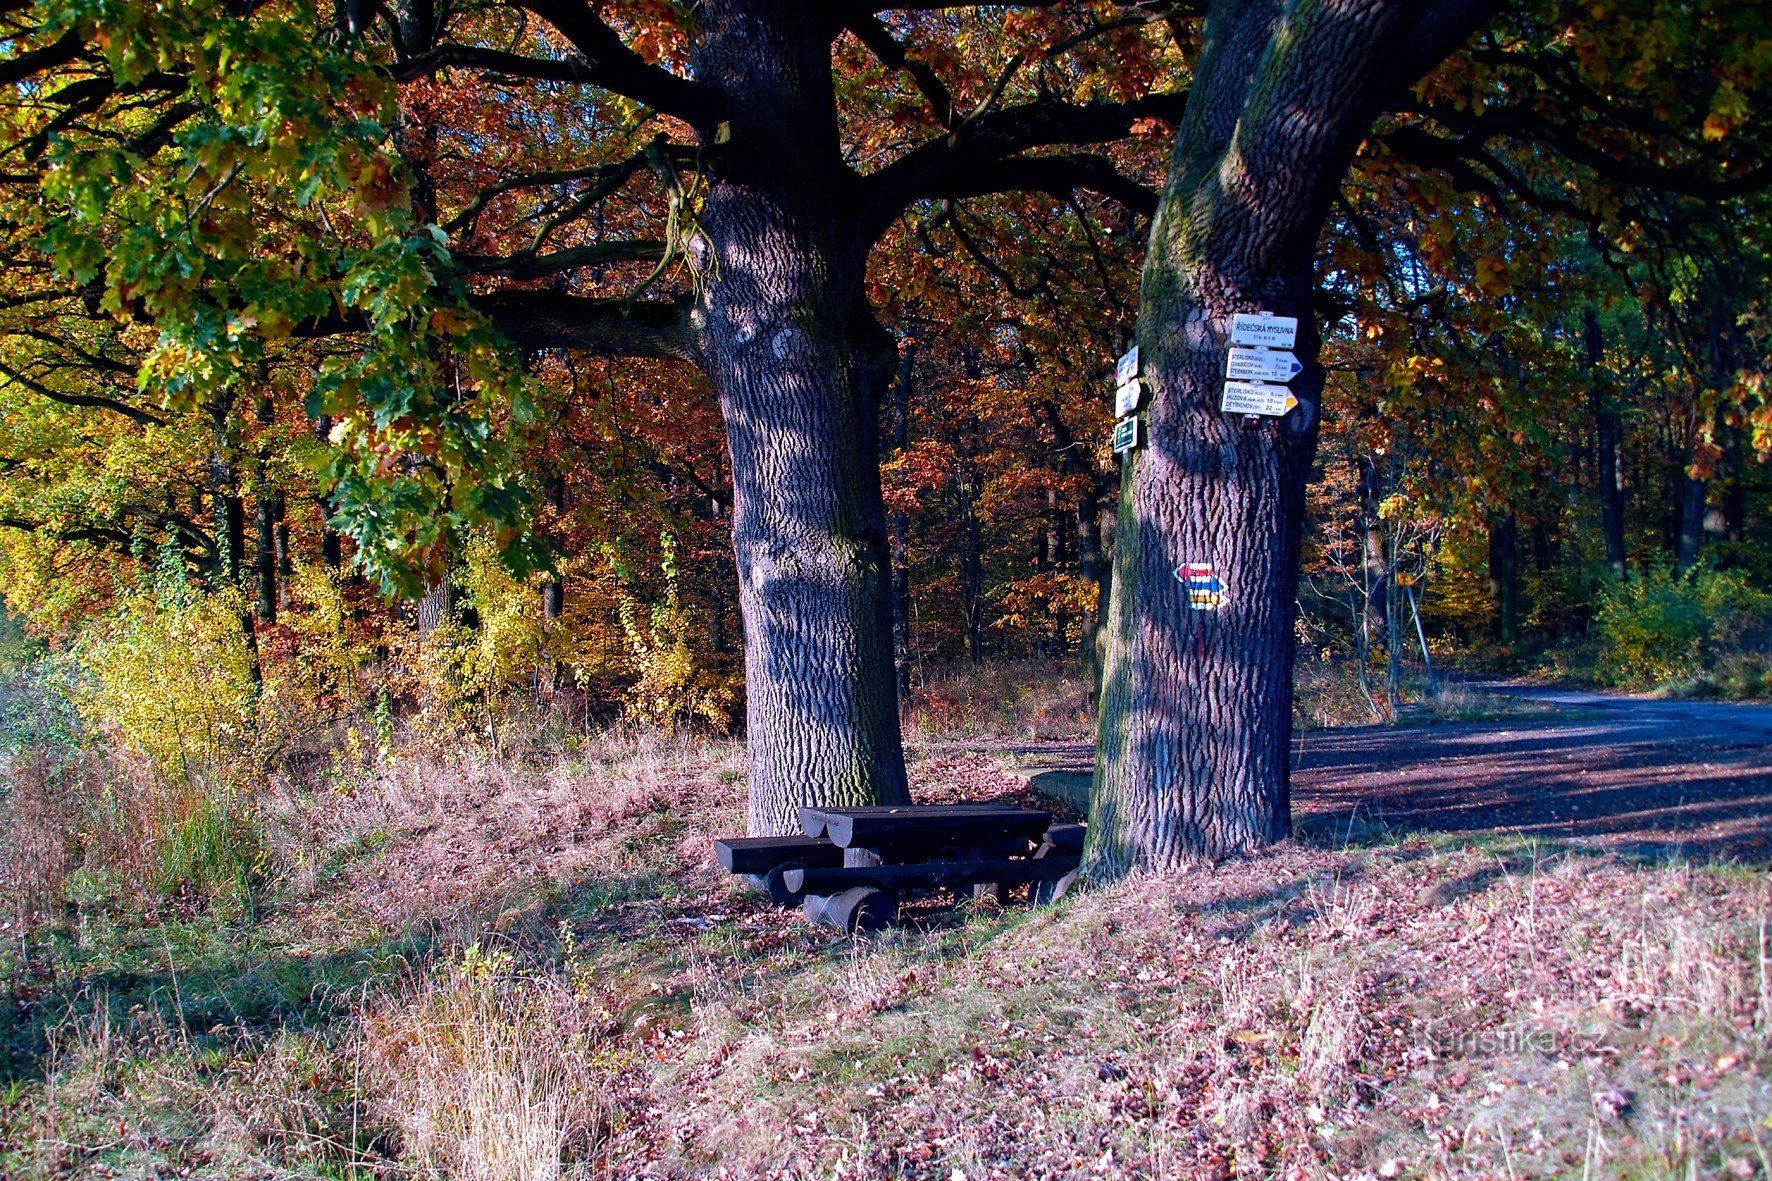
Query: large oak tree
(695,183)
(1604,118)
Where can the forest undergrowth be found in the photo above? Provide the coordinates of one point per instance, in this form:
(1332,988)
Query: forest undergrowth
(521,962)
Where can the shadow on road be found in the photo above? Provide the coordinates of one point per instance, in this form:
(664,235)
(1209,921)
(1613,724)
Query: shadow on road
(1648,778)
(1676,784)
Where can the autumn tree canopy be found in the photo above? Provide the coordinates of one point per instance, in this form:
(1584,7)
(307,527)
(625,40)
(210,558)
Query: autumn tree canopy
(619,286)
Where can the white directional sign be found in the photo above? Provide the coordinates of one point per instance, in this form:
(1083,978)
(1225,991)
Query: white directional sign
(1127,397)
(1265,331)
(1255,397)
(1262,365)
(1126,368)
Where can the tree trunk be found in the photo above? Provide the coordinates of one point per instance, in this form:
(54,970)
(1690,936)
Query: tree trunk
(434,607)
(332,550)
(1610,441)
(799,364)
(1504,577)
(230,518)
(1194,740)
(1092,569)
(1693,493)
(972,570)
(901,528)
(265,558)
(1735,469)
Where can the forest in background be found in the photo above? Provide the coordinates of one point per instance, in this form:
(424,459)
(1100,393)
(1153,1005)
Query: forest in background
(1544,425)
(372,660)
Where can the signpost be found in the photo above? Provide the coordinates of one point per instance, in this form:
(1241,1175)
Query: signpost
(1264,330)
(1255,397)
(1128,392)
(1263,358)
(1127,397)
(1262,365)
(1126,368)
(1125,435)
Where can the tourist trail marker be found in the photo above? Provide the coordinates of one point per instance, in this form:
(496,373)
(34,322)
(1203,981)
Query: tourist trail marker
(1265,331)
(1205,590)
(1125,435)
(1262,365)
(1254,397)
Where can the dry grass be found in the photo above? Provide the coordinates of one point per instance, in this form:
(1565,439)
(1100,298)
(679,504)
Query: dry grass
(523,968)
(488,1072)
(482,837)
(1313,1014)
(1015,701)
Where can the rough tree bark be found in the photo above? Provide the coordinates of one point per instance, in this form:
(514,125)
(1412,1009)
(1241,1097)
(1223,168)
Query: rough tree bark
(799,364)
(1194,742)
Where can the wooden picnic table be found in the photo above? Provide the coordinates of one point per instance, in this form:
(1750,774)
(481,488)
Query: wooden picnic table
(850,864)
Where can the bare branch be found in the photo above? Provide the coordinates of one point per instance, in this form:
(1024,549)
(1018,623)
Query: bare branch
(607,327)
(529,265)
(617,68)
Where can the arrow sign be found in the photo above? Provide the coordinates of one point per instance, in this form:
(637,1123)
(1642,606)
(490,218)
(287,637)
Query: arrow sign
(1262,365)
(1127,396)
(1254,397)
(1265,330)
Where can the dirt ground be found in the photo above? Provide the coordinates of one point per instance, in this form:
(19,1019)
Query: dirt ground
(1639,776)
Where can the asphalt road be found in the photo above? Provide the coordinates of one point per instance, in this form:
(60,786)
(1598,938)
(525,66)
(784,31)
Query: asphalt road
(1689,779)
(1641,776)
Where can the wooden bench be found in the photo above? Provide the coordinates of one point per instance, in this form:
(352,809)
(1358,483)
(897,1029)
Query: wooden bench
(765,861)
(851,864)
(759,855)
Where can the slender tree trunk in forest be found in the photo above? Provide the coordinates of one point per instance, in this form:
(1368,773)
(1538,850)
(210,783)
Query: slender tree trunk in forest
(1690,536)
(265,511)
(265,558)
(799,364)
(1375,559)
(1056,559)
(1734,511)
(1193,749)
(1504,577)
(901,528)
(1609,432)
(229,510)
(230,518)
(332,549)
(284,556)
(1092,568)
(972,570)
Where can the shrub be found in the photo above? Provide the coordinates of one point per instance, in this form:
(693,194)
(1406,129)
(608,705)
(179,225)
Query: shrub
(1659,626)
(169,683)
(673,688)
